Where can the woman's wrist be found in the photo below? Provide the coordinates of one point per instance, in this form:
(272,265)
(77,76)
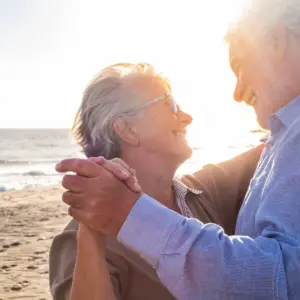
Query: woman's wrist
(89,237)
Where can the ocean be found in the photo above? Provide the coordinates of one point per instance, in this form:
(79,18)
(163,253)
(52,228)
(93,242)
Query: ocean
(28,156)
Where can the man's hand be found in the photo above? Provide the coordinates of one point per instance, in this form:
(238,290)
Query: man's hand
(121,170)
(96,197)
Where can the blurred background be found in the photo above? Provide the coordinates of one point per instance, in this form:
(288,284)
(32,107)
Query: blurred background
(50,49)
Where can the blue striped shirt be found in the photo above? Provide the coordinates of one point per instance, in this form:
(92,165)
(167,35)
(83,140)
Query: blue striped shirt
(262,260)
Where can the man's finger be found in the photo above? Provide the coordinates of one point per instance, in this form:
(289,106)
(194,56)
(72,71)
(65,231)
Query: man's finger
(82,216)
(121,171)
(133,184)
(119,167)
(77,214)
(118,170)
(133,171)
(122,163)
(73,199)
(75,183)
(98,160)
(115,169)
(83,167)
(123,174)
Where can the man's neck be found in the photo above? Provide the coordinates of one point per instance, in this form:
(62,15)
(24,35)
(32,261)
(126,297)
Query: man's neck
(154,176)
(285,98)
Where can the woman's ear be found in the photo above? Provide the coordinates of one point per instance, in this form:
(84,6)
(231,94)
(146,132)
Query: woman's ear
(126,131)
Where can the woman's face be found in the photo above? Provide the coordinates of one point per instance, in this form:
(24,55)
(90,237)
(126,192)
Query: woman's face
(160,130)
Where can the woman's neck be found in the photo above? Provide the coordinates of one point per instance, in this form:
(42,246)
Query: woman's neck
(154,177)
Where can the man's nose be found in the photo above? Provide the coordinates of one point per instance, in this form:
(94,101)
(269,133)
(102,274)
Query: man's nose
(184,118)
(239,91)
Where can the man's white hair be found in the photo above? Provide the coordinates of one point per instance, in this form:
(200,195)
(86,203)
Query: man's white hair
(260,16)
(111,94)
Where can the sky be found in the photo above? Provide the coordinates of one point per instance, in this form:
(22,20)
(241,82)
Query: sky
(50,49)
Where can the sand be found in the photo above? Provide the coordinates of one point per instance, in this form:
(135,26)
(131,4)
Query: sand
(29,219)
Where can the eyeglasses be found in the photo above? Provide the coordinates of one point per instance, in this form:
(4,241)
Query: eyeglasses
(171,101)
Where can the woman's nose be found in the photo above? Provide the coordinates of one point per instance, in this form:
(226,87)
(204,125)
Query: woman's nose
(184,118)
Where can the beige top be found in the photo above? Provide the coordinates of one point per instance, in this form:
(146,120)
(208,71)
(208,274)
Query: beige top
(222,187)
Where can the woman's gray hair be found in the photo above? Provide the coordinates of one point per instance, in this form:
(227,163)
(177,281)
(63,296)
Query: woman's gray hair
(111,94)
(259,17)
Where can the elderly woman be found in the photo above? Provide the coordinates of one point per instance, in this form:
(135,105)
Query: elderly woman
(128,112)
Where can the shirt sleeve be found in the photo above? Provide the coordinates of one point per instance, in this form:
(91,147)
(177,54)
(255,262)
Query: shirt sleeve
(197,261)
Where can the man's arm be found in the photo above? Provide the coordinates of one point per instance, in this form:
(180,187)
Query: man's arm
(197,261)
(225,185)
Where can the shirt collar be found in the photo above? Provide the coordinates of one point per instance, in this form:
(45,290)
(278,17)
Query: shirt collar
(182,189)
(285,116)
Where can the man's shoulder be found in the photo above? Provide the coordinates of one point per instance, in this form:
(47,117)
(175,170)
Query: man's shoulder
(288,149)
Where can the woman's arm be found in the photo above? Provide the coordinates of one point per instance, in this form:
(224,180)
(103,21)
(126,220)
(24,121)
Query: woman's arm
(91,279)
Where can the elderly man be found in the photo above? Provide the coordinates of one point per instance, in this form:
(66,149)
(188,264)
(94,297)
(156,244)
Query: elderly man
(262,259)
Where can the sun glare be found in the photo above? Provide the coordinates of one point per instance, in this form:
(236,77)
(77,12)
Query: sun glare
(206,92)
(234,9)
(184,40)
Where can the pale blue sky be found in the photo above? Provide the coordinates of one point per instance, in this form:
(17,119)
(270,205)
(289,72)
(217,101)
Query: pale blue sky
(49,50)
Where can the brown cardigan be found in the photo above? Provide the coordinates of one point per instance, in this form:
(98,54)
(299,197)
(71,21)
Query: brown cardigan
(224,186)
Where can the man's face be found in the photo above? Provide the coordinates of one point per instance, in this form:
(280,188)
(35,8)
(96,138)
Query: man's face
(257,81)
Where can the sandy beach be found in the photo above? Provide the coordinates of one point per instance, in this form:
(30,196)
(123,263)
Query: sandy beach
(29,219)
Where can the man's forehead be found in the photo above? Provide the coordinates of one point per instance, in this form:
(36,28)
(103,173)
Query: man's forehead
(239,48)
(235,44)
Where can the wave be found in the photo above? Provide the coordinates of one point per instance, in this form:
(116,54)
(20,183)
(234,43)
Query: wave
(27,162)
(26,180)
(35,173)
(26,186)
(32,173)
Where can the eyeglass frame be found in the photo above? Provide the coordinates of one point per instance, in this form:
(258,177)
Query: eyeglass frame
(173,105)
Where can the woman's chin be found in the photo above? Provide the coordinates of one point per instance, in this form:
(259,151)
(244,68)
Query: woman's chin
(184,153)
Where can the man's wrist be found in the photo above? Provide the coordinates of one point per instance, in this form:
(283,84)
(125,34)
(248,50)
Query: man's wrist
(147,228)
(125,210)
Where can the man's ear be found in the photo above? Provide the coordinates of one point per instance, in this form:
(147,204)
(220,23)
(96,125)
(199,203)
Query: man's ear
(126,132)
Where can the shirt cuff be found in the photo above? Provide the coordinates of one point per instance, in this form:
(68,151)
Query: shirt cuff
(147,228)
